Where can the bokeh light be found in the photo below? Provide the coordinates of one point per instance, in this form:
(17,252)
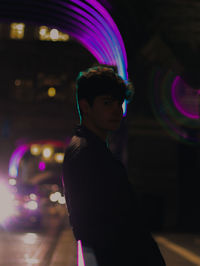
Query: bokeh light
(17,30)
(12,181)
(30,238)
(18,82)
(31,205)
(47,34)
(54,34)
(52,197)
(30,260)
(51,92)
(47,152)
(59,157)
(33,196)
(42,166)
(61,200)
(35,149)
(55,196)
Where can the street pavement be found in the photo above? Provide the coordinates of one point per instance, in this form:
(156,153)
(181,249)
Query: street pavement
(53,247)
(177,249)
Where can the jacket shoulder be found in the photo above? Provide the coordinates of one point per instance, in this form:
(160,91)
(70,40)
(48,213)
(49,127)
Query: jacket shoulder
(75,148)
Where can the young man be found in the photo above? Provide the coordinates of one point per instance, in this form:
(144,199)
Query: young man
(102,208)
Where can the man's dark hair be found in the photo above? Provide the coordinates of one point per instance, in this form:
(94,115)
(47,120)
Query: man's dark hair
(101,80)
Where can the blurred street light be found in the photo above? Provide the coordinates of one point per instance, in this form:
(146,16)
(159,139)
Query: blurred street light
(59,157)
(51,92)
(47,152)
(12,181)
(35,149)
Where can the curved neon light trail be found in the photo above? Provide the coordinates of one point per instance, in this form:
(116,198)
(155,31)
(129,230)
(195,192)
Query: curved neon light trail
(87,21)
(97,28)
(15,160)
(106,15)
(176,103)
(95,41)
(117,47)
(99,20)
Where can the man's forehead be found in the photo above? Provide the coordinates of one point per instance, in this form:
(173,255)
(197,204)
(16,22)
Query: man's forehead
(111,97)
(107,96)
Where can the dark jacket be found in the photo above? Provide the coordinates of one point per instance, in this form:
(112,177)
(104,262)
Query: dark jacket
(100,199)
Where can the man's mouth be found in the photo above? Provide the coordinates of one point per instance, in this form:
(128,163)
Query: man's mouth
(115,120)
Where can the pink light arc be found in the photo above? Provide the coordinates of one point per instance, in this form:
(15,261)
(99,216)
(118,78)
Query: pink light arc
(117,47)
(22,149)
(176,103)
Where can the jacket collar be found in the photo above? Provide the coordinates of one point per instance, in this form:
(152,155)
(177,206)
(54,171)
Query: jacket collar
(83,131)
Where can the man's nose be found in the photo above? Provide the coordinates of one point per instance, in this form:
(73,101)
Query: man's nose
(117,108)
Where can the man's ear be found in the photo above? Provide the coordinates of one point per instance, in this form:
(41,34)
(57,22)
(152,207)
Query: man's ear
(84,106)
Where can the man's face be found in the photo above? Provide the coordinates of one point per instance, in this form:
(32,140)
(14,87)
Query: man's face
(106,113)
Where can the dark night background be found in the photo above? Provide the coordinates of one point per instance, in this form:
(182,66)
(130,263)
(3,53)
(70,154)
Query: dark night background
(162,40)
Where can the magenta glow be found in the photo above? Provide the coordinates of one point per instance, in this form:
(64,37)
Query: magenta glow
(42,166)
(185,98)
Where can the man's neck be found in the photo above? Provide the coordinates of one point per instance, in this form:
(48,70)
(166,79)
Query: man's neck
(102,134)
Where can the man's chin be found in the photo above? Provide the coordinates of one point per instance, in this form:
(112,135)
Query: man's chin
(114,126)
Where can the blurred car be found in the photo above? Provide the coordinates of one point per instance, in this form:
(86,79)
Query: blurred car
(27,207)
(33,204)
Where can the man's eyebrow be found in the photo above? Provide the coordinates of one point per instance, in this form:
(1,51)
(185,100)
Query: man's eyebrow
(107,97)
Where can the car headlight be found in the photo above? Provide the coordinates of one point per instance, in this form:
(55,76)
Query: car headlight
(55,196)
(31,205)
(61,200)
(33,196)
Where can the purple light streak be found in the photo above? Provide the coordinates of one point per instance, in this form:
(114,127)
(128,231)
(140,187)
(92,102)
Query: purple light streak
(111,22)
(85,43)
(96,39)
(15,160)
(117,47)
(97,29)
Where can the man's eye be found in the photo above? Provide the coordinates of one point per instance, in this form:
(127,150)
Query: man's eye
(106,102)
